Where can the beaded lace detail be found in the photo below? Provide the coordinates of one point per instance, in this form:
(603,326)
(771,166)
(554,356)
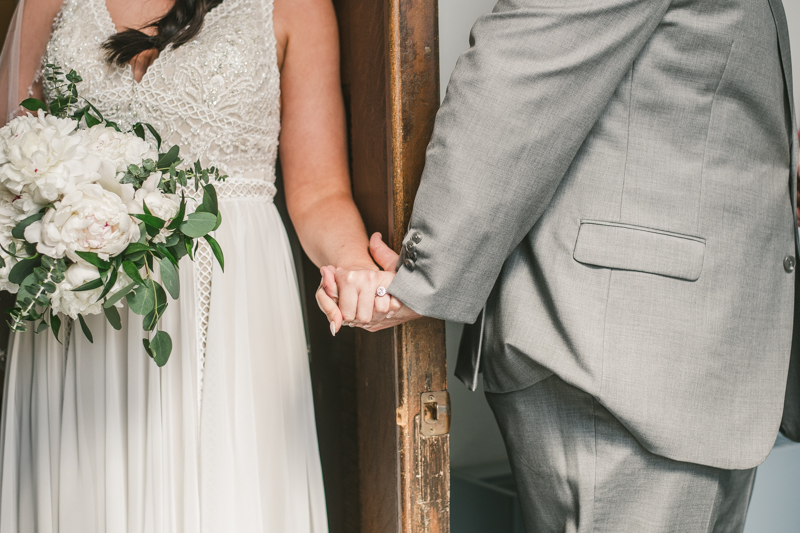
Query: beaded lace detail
(217,97)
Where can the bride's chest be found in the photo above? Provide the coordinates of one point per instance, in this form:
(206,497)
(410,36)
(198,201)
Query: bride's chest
(223,82)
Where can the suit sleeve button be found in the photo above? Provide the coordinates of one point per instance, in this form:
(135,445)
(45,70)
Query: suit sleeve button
(789,263)
(416,237)
(409,264)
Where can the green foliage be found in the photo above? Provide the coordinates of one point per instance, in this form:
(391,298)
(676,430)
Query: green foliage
(169,275)
(112,315)
(161,347)
(19,230)
(198,224)
(217,249)
(85,329)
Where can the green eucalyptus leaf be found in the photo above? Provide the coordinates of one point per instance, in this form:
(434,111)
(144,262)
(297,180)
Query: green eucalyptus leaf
(146,344)
(177,220)
(93,259)
(161,296)
(112,279)
(85,329)
(179,250)
(170,278)
(151,221)
(91,121)
(55,324)
(49,287)
(189,247)
(132,272)
(167,159)
(166,253)
(217,249)
(89,285)
(96,111)
(210,204)
(136,257)
(143,298)
(155,135)
(173,240)
(112,315)
(161,347)
(119,295)
(136,247)
(219,220)
(42,326)
(23,269)
(33,104)
(19,230)
(198,224)
(151,319)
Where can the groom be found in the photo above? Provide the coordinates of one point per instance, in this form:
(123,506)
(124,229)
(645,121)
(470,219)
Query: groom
(621,230)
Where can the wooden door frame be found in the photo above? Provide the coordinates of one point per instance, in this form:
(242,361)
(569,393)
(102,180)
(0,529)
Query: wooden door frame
(382,475)
(424,461)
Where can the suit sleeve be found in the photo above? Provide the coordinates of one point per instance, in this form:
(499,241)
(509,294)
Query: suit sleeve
(519,104)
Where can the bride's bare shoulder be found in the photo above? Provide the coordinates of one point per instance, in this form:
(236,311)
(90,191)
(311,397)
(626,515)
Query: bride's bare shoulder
(304,23)
(41,13)
(37,24)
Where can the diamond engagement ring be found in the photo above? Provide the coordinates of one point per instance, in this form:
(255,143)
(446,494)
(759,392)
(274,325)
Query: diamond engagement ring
(381,291)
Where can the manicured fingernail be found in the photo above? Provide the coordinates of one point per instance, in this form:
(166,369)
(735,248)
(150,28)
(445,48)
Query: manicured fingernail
(333,329)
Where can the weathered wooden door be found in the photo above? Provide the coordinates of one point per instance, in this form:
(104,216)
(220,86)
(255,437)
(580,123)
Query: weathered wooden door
(381,400)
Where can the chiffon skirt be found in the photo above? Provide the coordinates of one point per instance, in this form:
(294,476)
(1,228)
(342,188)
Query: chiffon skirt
(96,438)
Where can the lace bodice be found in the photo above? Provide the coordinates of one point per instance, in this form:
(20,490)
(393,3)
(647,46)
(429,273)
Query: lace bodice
(217,97)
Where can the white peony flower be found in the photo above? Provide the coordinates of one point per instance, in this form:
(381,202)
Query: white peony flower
(89,219)
(45,157)
(65,300)
(162,205)
(118,149)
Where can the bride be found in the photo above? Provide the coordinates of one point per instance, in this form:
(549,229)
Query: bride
(95,437)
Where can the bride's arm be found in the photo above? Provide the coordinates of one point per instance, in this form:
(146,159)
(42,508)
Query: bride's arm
(22,54)
(313,145)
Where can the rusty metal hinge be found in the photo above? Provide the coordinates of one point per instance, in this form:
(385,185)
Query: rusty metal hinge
(435,411)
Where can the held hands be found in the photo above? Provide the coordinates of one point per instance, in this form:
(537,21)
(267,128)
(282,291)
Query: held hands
(351,297)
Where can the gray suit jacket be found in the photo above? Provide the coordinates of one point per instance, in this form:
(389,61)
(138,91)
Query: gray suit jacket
(613,182)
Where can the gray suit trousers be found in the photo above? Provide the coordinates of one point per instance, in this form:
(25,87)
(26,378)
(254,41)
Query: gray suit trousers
(578,470)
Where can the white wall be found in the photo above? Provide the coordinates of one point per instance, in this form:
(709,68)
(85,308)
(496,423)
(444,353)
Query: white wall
(475,439)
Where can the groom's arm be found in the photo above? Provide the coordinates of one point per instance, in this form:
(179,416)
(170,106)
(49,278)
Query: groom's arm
(519,105)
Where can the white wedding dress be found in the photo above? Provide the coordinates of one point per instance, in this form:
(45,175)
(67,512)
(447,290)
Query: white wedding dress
(95,437)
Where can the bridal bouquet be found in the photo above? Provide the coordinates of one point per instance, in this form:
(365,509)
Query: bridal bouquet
(91,215)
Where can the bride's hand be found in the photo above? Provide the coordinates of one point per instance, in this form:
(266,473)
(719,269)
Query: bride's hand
(356,298)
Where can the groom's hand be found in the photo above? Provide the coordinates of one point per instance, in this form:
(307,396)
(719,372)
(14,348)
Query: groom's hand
(350,297)
(387,259)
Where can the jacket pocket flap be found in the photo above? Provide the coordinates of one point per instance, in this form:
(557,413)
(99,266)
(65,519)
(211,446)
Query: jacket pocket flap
(627,247)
